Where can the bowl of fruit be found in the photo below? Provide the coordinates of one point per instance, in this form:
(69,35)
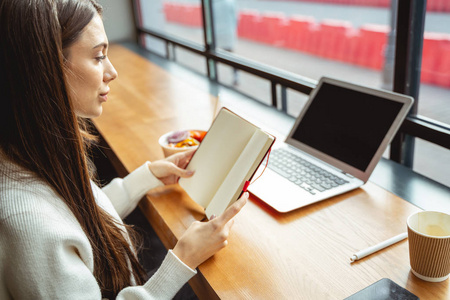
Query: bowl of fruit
(181,140)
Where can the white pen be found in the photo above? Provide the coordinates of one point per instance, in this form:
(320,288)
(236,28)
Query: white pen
(377,247)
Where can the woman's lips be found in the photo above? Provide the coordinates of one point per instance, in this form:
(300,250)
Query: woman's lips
(104,96)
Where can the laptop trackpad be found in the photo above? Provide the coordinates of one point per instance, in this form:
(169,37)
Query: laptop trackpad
(280,193)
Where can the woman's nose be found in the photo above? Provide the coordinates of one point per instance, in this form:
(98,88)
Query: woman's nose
(110,73)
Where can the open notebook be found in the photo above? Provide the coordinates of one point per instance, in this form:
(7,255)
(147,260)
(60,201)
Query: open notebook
(227,158)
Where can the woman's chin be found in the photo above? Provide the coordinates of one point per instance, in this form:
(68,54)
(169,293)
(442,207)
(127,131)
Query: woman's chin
(90,114)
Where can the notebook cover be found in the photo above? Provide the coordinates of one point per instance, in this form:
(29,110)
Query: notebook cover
(383,289)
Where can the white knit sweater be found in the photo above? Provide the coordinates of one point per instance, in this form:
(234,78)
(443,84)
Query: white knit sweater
(44,253)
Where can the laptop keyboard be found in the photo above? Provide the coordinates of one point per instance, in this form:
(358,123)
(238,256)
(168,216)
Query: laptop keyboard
(305,174)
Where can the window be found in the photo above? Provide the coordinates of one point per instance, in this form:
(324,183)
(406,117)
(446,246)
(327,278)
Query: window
(435,74)
(316,39)
(274,51)
(432,161)
(181,19)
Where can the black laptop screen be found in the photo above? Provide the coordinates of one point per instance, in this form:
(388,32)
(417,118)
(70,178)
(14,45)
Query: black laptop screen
(346,124)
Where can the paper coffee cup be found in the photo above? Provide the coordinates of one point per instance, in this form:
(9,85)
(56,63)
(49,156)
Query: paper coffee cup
(429,245)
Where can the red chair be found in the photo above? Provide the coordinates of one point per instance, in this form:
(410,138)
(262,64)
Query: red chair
(352,47)
(384,3)
(298,32)
(374,39)
(271,24)
(331,44)
(350,40)
(177,13)
(196,19)
(169,11)
(281,36)
(248,22)
(241,25)
(446,7)
(440,5)
(430,55)
(432,5)
(313,41)
(187,14)
(442,74)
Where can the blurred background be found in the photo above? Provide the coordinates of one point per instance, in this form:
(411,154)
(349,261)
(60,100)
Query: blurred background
(353,40)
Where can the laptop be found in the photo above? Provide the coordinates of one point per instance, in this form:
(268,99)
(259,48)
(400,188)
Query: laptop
(334,145)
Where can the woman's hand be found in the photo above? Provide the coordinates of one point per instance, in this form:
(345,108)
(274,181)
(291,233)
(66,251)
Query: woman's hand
(171,168)
(203,239)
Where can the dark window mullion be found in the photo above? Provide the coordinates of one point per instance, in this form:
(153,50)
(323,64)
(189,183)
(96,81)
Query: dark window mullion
(408,59)
(209,37)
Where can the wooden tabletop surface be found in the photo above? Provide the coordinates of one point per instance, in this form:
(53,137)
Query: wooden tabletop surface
(304,254)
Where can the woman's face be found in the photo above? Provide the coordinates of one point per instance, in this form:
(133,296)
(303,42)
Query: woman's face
(89,70)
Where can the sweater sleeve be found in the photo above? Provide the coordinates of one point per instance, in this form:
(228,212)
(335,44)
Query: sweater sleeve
(164,284)
(125,193)
(47,258)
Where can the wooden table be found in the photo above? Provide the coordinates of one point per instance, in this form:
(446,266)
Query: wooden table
(299,255)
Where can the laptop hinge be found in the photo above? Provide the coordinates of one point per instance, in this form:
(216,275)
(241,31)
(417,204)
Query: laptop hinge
(348,175)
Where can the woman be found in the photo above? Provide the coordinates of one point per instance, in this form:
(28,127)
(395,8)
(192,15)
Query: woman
(61,236)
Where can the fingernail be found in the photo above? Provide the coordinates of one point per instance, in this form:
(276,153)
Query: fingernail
(212,217)
(190,172)
(246,194)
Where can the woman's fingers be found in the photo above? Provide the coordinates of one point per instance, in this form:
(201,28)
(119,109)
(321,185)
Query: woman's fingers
(203,239)
(179,172)
(188,154)
(182,157)
(184,161)
(165,170)
(233,210)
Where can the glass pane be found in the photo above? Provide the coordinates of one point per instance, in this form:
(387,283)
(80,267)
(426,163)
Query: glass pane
(191,60)
(225,23)
(154,44)
(248,84)
(227,75)
(346,41)
(434,91)
(295,102)
(179,18)
(430,160)
(255,87)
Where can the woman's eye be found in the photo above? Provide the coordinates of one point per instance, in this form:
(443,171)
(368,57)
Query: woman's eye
(100,58)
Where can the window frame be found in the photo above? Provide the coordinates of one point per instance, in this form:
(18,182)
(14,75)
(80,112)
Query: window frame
(410,16)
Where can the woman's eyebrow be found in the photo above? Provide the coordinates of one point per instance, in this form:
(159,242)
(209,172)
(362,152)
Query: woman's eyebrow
(102,44)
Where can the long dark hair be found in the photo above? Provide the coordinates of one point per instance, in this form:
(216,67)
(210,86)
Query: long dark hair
(40,131)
